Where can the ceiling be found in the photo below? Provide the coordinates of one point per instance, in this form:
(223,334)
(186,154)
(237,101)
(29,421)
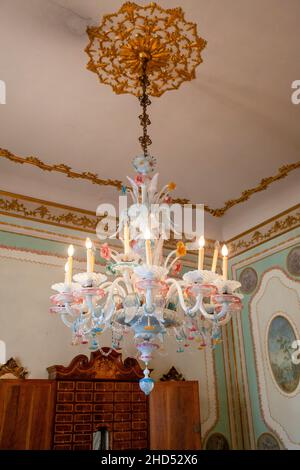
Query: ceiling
(216,136)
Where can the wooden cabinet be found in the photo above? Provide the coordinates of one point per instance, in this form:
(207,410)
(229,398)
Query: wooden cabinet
(175,416)
(102,393)
(26,414)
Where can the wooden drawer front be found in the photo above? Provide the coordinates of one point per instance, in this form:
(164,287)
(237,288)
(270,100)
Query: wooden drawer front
(84,386)
(139,416)
(138,425)
(64,428)
(65,438)
(103,397)
(137,407)
(64,408)
(122,445)
(122,396)
(139,444)
(122,426)
(65,385)
(122,416)
(122,406)
(86,446)
(62,447)
(84,408)
(84,418)
(122,436)
(137,435)
(104,386)
(65,396)
(87,427)
(103,417)
(104,407)
(84,396)
(123,386)
(64,418)
(82,437)
(138,396)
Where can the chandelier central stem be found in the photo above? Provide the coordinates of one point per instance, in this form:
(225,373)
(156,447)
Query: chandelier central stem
(144,100)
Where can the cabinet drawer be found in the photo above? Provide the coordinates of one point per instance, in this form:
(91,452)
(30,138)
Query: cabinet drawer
(64,408)
(104,407)
(139,425)
(138,435)
(82,437)
(122,416)
(83,418)
(62,438)
(84,386)
(103,397)
(86,427)
(122,406)
(65,396)
(84,396)
(66,385)
(63,418)
(104,386)
(122,396)
(123,387)
(101,417)
(122,426)
(122,436)
(64,428)
(83,408)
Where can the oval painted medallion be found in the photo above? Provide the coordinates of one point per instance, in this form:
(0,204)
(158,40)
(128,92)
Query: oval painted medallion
(280,338)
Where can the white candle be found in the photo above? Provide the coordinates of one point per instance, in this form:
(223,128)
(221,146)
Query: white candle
(67,273)
(126,239)
(215,257)
(89,254)
(225,262)
(70,263)
(201,253)
(148,248)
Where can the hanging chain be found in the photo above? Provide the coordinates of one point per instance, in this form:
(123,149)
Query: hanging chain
(144,100)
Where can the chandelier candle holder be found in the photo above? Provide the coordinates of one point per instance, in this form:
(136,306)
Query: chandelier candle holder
(146,51)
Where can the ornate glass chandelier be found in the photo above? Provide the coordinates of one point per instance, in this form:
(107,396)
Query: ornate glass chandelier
(146,51)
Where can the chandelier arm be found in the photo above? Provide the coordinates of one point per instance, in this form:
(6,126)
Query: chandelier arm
(66,321)
(186,309)
(69,309)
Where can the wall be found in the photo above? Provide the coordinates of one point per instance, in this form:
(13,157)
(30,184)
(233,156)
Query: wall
(262,414)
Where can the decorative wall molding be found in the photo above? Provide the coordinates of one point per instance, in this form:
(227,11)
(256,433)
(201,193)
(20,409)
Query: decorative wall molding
(93,178)
(279,411)
(271,228)
(51,213)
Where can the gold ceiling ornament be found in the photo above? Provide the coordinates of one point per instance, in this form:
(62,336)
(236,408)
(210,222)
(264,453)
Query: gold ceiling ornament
(124,40)
(93,178)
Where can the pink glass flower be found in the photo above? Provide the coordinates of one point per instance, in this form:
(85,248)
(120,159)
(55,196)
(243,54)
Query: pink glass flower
(139,179)
(105,252)
(176,268)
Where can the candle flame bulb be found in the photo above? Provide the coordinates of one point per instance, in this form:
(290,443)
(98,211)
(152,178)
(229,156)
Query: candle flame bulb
(88,244)
(201,242)
(71,250)
(224,250)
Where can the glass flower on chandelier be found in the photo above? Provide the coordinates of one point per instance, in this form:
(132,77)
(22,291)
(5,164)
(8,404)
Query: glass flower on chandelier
(143,292)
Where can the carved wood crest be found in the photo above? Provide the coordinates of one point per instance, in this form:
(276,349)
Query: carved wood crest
(107,366)
(11,369)
(173,374)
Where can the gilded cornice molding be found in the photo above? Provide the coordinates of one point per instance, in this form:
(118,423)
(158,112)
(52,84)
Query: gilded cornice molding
(60,168)
(271,228)
(94,179)
(47,212)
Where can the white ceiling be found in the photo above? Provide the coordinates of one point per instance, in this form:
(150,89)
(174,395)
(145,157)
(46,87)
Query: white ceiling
(216,136)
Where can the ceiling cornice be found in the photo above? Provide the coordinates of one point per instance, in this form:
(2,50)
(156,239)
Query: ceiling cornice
(93,178)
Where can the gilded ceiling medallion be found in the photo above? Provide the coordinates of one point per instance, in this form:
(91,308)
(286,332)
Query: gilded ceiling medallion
(123,40)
